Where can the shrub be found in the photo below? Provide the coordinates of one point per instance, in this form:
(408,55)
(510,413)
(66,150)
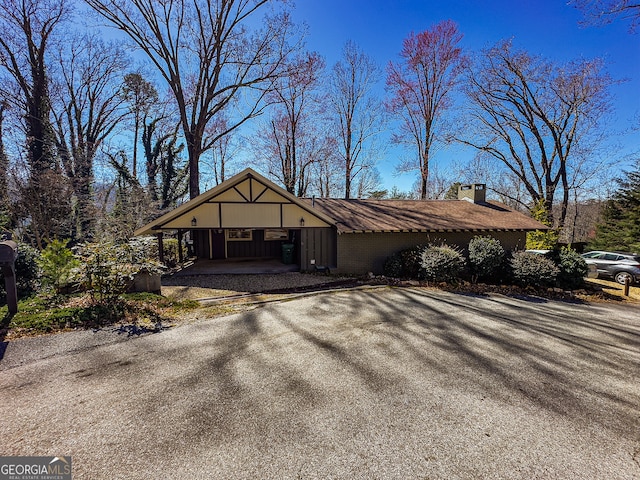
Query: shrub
(572,267)
(412,261)
(108,269)
(441,264)
(145,249)
(57,263)
(486,255)
(171,258)
(393,266)
(533,269)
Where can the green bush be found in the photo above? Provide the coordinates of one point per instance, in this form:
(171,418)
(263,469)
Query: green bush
(572,267)
(486,256)
(145,249)
(532,269)
(171,258)
(441,264)
(393,266)
(27,272)
(108,269)
(412,261)
(57,263)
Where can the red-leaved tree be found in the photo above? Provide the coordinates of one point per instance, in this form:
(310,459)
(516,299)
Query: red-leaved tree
(421,86)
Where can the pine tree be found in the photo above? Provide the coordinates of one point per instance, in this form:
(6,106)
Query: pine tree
(620,227)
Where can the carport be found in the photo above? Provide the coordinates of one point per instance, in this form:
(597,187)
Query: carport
(249,217)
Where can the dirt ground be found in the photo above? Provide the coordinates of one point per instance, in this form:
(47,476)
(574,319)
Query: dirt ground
(617,290)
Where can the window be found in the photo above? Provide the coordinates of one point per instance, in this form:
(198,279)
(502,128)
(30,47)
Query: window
(276,234)
(239,234)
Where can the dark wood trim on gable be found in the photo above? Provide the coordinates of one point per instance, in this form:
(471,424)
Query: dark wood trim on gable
(261,193)
(240,193)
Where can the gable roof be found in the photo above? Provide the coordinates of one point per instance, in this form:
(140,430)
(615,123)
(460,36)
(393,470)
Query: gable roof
(230,205)
(353,216)
(225,206)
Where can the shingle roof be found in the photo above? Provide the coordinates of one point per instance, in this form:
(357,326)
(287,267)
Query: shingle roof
(422,215)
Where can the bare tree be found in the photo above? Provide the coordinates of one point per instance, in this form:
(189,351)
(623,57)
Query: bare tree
(208,55)
(4,173)
(540,120)
(327,179)
(221,154)
(141,96)
(369,183)
(500,183)
(602,12)
(29,29)
(421,89)
(292,141)
(89,105)
(358,113)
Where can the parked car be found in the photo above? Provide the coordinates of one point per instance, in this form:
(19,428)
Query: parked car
(616,265)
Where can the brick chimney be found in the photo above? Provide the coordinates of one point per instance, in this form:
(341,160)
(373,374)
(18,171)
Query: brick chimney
(475,193)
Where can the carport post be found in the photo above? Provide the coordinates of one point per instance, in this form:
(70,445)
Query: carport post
(160,247)
(180,256)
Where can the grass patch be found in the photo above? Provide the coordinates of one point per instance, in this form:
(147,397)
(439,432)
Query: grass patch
(47,314)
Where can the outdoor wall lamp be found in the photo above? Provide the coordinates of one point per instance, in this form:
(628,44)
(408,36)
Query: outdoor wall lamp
(194,221)
(302,221)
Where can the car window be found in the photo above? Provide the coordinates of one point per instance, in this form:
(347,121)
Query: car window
(591,255)
(610,256)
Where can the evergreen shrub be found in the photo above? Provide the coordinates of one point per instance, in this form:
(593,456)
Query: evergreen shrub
(486,256)
(531,269)
(441,263)
(572,267)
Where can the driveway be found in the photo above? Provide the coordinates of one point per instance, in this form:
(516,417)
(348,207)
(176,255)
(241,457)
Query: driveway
(387,383)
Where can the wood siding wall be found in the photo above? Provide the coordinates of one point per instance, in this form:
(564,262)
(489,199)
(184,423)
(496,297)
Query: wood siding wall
(318,244)
(258,247)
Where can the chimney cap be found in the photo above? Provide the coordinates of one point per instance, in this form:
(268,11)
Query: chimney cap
(474,192)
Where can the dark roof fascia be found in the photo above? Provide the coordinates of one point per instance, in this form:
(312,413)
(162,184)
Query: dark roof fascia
(449,230)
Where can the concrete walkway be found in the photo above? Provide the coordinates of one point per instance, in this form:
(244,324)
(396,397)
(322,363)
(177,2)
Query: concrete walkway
(233,266)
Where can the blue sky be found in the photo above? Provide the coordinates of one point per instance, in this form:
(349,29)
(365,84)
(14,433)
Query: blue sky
(542,27)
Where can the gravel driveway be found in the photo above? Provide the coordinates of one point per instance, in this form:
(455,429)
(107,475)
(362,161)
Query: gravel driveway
(387,383)
(206,286)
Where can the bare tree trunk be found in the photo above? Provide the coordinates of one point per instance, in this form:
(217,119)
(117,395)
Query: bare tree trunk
(421,86)
(224,58)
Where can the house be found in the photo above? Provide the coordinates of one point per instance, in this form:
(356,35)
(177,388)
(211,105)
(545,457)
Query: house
(248,216)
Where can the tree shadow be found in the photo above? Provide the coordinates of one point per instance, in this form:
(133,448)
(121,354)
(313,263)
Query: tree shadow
(284,363)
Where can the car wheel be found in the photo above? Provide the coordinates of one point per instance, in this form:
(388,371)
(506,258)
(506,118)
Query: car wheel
(621,277)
